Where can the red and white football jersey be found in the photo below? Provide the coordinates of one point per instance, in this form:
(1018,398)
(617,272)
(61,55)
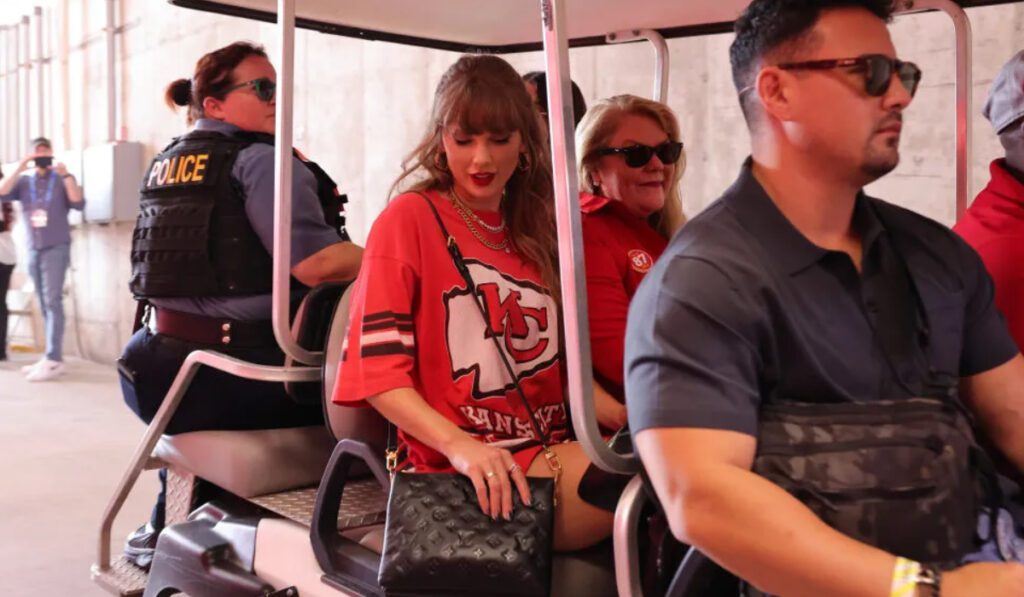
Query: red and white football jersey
(413,324)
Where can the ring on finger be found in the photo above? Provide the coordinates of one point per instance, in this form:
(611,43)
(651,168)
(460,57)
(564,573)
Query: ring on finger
(490,474)
(514,468)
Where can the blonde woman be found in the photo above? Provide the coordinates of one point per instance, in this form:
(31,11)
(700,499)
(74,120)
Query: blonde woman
(418,349)
(630,162)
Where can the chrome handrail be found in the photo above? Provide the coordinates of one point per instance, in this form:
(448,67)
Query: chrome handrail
(163,416)
(283,162)
(626,539)
(661,56)
(964,101)
(570,245)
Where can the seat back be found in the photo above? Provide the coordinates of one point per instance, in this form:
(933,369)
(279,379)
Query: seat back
(309,328)
(346,422)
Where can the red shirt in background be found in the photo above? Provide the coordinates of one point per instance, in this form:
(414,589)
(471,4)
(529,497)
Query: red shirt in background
(619,249)
(994,226)
(413,324)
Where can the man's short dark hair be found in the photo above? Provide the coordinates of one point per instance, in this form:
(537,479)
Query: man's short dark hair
(782,27)
(40,141)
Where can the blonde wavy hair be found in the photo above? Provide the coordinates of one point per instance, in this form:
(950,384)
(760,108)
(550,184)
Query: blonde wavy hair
(598,126)
(484,94)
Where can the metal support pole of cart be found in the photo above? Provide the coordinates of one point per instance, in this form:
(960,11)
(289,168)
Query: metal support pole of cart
(283,187)
(964,103)
(570,244)
(661,65)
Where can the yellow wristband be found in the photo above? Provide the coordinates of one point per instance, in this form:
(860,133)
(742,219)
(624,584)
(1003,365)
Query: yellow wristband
(904,578)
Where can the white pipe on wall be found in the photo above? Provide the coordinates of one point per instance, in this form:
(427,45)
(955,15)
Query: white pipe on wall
(111,75)
(10,93)
(26,68)
(40,90)
(4,129)
(65,73)
(15,123)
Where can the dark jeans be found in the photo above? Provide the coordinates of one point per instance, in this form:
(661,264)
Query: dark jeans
(214,399)
(5,283)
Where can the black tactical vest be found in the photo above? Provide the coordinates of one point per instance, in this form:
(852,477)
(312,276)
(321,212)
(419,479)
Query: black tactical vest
(192,237)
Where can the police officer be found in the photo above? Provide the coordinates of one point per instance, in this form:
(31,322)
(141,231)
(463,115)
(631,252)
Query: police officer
(201,257)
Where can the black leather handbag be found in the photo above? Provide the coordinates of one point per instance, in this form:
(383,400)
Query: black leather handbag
(437,541)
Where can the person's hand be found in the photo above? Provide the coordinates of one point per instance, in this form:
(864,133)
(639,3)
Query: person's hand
(23,164)
(989,579)
(611,414)
(60,168)
(492,471)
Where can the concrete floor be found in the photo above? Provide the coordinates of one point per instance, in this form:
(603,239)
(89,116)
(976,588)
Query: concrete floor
(63,446)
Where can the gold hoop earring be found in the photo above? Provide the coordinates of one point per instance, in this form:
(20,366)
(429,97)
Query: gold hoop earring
(441,162)
(524,163)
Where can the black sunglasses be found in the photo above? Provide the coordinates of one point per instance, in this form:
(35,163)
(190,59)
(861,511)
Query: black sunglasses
(876,68)
(637,156)
(263,87)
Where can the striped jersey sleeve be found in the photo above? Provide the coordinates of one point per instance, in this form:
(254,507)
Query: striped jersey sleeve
(379,353)
(387,333)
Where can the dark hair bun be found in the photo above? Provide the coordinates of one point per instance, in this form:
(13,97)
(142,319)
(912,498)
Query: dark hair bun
(179,93)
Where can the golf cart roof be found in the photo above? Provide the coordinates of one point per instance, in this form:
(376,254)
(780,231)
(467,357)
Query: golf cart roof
(496,26)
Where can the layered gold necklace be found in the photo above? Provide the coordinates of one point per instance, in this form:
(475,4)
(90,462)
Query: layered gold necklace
(469,218)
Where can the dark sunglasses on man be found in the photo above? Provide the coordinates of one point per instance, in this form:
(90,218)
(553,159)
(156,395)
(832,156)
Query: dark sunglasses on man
(263,88)
(637,156)
(877,70)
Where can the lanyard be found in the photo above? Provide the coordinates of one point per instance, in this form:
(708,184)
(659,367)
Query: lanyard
(49,190)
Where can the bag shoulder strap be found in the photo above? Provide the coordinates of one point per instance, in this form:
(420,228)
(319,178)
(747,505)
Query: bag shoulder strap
(463,269)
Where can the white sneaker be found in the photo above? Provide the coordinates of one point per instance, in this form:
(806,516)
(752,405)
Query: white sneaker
(26,369)
(46,371)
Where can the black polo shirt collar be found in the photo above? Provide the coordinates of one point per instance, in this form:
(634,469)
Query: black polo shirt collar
(793,251)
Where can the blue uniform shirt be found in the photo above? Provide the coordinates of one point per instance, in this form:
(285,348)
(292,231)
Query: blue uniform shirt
(254,171)
(56,203)
(742,309)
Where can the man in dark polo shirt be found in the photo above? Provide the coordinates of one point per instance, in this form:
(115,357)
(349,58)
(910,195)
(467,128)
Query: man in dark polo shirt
(796,286)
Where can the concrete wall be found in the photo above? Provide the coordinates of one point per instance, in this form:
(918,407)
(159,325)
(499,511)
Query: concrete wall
(360,106)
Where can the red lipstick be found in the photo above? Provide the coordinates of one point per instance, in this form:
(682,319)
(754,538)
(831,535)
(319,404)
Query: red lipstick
(482,180)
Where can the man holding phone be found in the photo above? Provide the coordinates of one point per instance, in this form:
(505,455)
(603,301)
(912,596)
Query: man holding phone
(46,196)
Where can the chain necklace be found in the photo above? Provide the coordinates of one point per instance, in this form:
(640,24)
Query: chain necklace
(464,212)
(488,227)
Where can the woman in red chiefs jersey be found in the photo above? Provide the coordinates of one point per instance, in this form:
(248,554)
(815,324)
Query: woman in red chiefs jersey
(630,162)
(419,350)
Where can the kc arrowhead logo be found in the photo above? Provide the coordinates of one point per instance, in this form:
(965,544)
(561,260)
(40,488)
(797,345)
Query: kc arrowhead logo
(523,317)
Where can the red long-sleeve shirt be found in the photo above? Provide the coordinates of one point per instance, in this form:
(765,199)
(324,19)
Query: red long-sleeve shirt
(994,226)
(619,249)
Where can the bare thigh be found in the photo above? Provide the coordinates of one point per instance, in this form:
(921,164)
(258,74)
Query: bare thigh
(577,524)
